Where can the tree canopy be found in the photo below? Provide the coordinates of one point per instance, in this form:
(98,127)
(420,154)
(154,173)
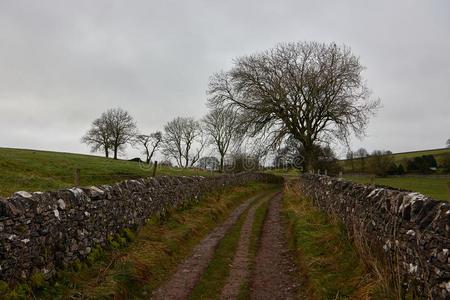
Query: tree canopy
(311,91)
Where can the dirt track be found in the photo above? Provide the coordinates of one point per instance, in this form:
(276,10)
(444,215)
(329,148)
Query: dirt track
(270,274)
(274,276)
(189,272)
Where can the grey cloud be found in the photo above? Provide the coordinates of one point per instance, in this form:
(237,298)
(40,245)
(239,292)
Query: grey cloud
(64,62)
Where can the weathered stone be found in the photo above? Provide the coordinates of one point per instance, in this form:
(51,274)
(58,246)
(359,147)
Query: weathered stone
(23,194)
(414,230)
(63,226)
(61,204)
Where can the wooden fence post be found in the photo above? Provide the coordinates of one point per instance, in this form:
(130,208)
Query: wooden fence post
(77,177)
(155,164)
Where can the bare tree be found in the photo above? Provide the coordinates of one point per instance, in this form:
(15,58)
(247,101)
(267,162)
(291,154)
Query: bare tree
(380,161)
(150,143)
(111,131)
(181,135)
(350,156)
(122,128)
(311,91)
(220,125)
(362,155)
(448,143)
(98,136)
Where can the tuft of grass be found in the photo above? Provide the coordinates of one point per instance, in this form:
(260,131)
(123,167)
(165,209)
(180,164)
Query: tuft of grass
(133,272)
(37,280)
(330,267)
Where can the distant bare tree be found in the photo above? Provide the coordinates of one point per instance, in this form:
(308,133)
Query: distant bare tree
(150,143)
(98,136)
(311,91)
(380,161)
(220,125)
(350,156)
(448,143)
(362,155)
(122,128)
(111,131)
(181,135)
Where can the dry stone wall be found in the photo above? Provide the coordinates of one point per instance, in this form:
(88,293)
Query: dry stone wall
(41,232)
(408,231)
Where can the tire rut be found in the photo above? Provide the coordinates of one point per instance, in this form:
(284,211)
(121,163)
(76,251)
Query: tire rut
(188,273)
(240,268)
(274,274)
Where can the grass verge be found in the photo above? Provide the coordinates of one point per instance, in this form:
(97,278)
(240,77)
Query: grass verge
(134,270)
(330,267)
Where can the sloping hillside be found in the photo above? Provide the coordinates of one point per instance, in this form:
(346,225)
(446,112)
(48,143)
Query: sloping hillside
(401,157)
(33,170)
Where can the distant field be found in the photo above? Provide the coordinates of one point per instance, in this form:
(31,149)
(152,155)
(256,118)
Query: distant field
(284,172)
(401,157)
(33,170)
(435,187)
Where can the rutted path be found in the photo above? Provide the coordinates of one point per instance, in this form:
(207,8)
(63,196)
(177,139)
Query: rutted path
(189,272)
(274,274)
(269,275)
(239,271)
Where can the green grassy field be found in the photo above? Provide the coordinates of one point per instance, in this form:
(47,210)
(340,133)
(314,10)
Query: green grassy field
(33,170)
(435,187)
(438,154)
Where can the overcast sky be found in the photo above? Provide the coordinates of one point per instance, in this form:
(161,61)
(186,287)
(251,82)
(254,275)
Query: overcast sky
(62,63)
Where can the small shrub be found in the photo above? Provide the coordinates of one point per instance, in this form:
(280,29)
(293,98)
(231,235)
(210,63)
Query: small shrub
(95,255)
(21,292)
(77,266)
(37,280)
(129,234)
(422,164)
(121,240)
(4,288)
(114,245)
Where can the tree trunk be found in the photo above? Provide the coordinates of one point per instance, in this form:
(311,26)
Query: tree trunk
(115,152)
(106,153)
(148,156)
(308,157)
(221,164)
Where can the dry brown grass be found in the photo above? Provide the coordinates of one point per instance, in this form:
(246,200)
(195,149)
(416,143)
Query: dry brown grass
(333,265)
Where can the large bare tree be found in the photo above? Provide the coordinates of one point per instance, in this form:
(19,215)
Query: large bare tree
(221,125)
(310,91)
(114,129)
(150,143)
(183,141)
